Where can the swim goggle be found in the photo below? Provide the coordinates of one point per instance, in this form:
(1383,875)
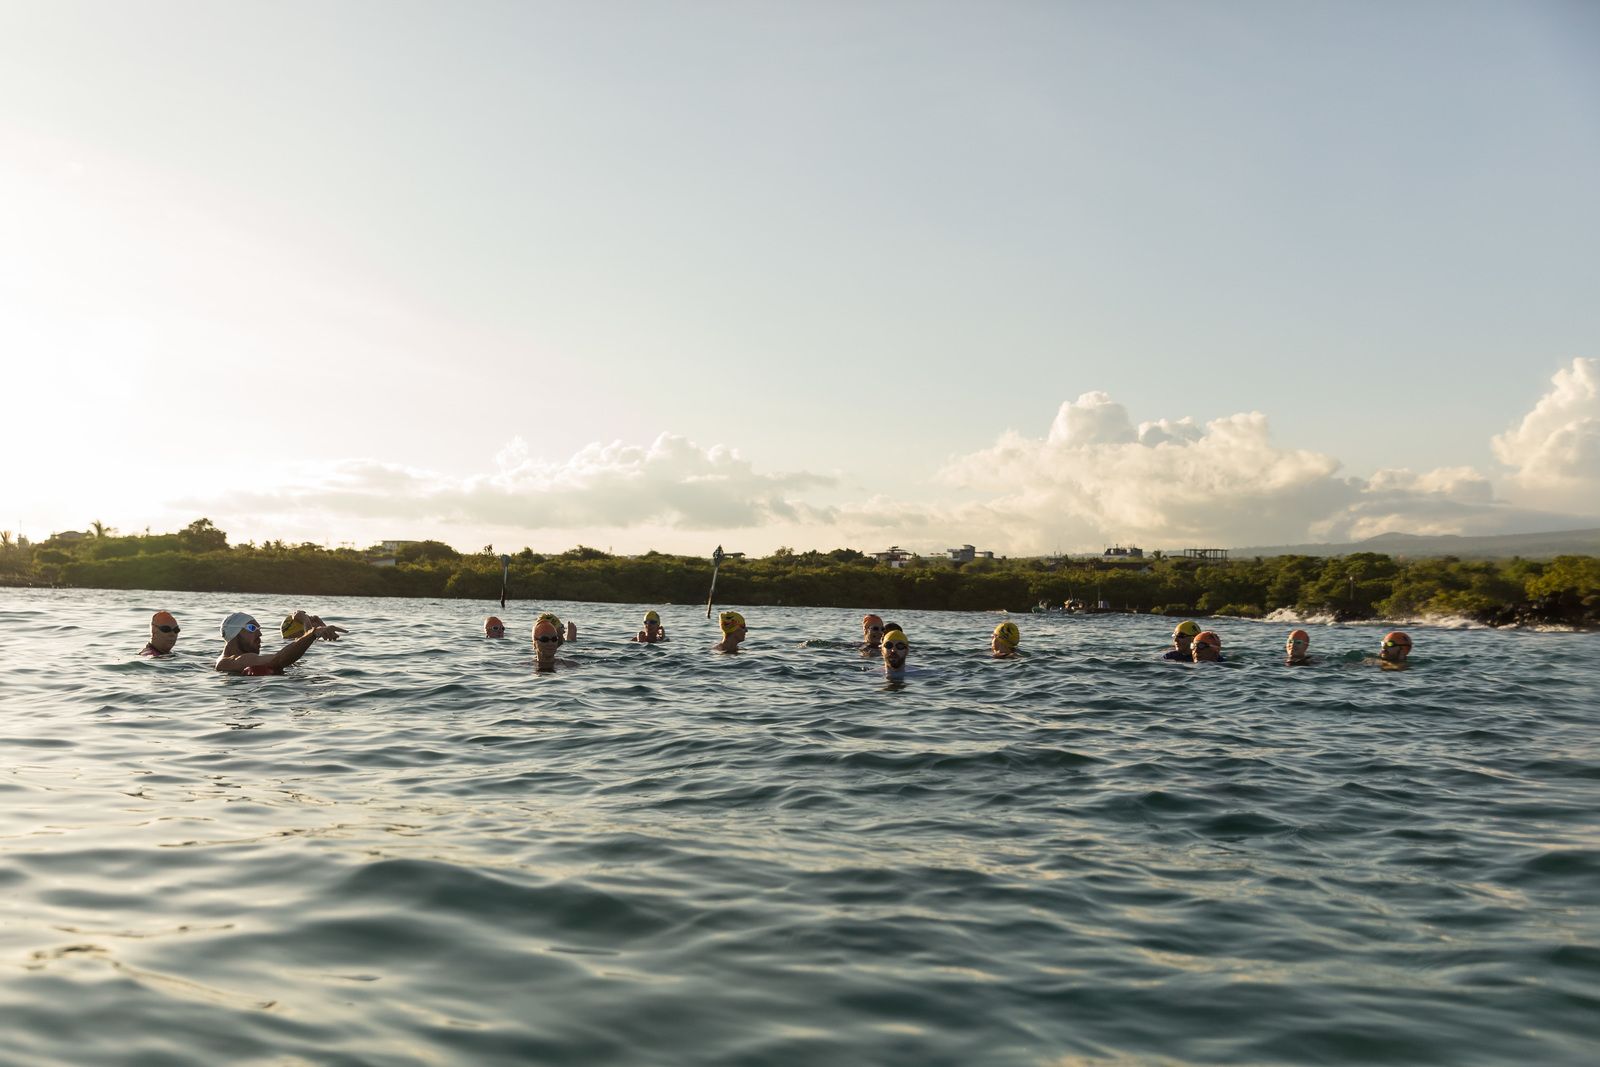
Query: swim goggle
(1299,641)
(548,639)
(897,645)
(1397,644)
(497,629)
(168,629)
(249,628)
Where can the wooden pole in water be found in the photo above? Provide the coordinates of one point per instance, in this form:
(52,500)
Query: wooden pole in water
(505,574)
(716,564)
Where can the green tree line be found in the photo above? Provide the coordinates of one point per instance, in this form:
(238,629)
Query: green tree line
(1363,585)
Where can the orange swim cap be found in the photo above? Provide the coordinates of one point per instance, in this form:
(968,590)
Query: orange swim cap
(163,618)
(871,620)
(1396,637)
(1208,637)
(547,625)
(1298,637)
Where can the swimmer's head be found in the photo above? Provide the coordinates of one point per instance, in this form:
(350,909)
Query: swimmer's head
(1184,632)
(241,627)
(547,635)
(1297,644)
(870,623)
(1207,647)
(1396,647)
(493,627)
(895,648)
(163,631)
(652,617)
(1006,637)
(730,622)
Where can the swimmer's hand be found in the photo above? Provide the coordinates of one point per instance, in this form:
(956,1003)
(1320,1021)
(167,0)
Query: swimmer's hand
(329,633)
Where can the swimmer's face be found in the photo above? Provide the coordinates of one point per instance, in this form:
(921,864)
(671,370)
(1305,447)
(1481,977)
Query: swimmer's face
(1180,641)
(894,654)
(493,627)
(872,632)
(163,632)
(998,646)
(250,640)
(1205,651)
(652,630)
(545,645)
(737,634)
(1395,650)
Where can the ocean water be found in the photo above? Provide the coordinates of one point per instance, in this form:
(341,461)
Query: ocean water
(414,850)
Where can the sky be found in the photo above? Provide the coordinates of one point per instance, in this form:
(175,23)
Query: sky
(1031,276)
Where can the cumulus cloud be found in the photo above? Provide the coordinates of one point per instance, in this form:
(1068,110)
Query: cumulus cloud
(1171,483)
(1094,476)
(1554,452)
(671,482)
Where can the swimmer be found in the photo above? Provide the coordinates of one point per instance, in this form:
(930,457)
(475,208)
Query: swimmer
(1182,635)
(548,637)
(1396,647)
(653,630)
(241,651)
(493,627)
(872,630)
(298,622)
(1295,649)
(1004,641)
(733,631)
(887,626)
(163,635)
(1207,647)
(895,650)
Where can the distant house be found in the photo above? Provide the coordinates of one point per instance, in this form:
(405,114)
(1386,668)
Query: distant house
(1212,555)
(1123,552)
(67,535)
(894,556)
(391,547)
(985,555)
(964,554)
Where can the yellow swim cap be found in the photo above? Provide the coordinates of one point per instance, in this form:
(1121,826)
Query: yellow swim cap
(651,616)
(1188,627)
(292,627)
(1008,633)
(730,621)
(895,635)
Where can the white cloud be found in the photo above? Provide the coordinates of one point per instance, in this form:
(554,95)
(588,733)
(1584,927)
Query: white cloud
(671,482)
(1093,477)
(1555,450)
(1178,483)
(1164,483)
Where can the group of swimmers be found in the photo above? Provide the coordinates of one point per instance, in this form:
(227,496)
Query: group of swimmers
(241,636)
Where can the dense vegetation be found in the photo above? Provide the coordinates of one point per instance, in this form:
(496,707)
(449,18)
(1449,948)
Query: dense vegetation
(1362,585)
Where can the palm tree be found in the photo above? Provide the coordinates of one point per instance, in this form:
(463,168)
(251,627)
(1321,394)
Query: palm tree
(5,539)
(101,529)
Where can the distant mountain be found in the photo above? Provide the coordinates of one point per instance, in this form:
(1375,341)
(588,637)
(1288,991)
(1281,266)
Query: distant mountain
(1563,543)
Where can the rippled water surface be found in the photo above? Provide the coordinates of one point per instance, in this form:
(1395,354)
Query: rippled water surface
(414,850)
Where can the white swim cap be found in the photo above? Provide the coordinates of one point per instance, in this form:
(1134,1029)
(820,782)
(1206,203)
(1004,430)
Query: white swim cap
(235,623)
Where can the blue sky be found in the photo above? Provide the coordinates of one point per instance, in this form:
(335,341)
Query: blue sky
(653,274)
